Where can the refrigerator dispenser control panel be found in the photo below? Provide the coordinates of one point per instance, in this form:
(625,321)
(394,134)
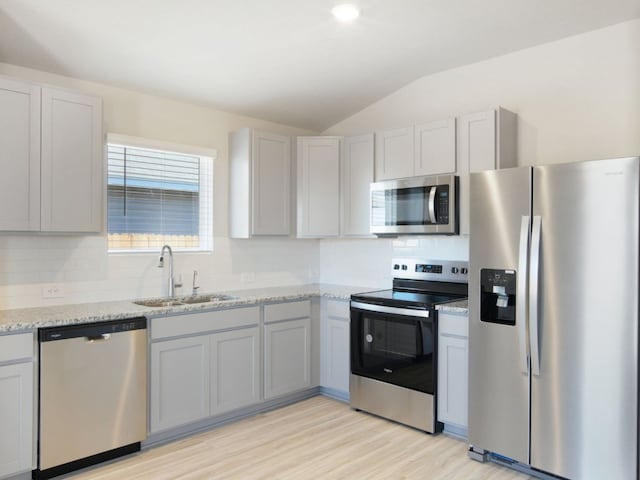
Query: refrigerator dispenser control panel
(498,296)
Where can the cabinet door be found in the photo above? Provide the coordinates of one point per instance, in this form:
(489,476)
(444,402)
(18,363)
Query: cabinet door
(235,369)
(180,382)
(478,141)
(394,154)
(72,162)
(287,354)
(19,156)
(16,418)
(435,148)
(271,182)
(318,182)
(357,175)
(335,352)
(453,380)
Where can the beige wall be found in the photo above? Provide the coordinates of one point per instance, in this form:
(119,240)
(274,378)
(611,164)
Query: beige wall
(576,99)
(81,265)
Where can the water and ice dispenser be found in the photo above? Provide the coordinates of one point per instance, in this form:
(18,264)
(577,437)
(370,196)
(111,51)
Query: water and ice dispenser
(498,296)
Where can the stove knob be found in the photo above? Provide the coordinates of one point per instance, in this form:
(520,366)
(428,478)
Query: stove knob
(404,267)
(454,269)
(396,267)
(464,271)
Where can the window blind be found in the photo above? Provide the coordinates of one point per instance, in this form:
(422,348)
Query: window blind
(157,197)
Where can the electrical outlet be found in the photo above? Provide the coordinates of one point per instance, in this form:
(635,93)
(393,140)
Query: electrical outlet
(52,290)
(247,277)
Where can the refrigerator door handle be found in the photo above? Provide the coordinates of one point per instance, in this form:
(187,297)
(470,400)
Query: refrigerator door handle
(521,313)
(432,205)
(534,271)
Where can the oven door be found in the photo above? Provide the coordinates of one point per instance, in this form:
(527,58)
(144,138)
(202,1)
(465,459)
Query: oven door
(394,345)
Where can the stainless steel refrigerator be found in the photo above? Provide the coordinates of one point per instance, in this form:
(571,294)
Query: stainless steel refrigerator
(553,304)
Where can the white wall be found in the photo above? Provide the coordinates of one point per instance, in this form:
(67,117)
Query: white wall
(576,99)
(81,265)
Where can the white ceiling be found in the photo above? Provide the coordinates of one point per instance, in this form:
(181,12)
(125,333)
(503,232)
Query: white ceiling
(286,61)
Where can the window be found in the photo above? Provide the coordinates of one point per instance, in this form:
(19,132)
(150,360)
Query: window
(157,197)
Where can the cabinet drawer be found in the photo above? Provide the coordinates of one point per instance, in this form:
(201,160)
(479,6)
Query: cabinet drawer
(287,311)
(337,309)
(16,347)
(453,324)
(189,324)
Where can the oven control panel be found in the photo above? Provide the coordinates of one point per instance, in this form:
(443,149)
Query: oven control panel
(438,270)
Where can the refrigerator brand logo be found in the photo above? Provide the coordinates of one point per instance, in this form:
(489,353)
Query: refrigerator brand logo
(614,173)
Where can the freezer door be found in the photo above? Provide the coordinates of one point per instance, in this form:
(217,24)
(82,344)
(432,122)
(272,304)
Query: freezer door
(584,414)
(498,364)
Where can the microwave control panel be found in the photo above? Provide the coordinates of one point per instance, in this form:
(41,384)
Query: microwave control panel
(442,204)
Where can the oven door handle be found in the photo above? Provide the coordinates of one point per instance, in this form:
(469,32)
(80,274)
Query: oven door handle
(408,312)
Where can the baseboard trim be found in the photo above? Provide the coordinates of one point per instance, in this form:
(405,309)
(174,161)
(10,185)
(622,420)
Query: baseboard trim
(183,431)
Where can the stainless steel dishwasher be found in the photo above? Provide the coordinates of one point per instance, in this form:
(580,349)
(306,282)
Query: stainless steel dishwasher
(93,394)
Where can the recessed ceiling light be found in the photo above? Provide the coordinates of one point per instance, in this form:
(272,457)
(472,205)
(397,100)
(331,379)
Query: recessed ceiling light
(345,12)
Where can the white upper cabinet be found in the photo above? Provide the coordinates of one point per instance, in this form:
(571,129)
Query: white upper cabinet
(259,183)
(72,162)
(486,141)
(51,155)
(19,155)
(357,175)
(394,154)
(318,187)
(427,149)
(435,147)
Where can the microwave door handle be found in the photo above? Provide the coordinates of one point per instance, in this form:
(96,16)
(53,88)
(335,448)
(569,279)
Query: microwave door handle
(521,298)
(534,297)
(432,205)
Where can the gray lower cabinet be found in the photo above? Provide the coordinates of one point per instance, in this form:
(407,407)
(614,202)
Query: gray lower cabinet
(334,347)
(235,369)
(180,381)
(212,367)
(453,376)
(16,404)
(287,348)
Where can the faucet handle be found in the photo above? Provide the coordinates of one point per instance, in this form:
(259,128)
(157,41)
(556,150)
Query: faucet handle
(195,288)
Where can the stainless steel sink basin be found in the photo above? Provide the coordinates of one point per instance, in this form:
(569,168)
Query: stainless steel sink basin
(158,303)
(207,298)
(172,302)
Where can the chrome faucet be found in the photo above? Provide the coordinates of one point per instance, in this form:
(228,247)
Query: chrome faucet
(172,285)
(195,288)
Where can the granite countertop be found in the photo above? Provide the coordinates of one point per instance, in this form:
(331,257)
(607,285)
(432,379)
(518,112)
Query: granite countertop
(459,306)
(31,318)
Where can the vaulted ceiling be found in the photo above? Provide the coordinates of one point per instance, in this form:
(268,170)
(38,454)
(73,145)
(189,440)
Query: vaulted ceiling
(287,61)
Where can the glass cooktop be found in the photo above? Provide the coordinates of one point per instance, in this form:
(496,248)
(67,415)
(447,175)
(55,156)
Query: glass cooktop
(398,298)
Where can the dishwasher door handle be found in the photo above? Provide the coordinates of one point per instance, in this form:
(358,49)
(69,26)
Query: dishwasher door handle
(98,338)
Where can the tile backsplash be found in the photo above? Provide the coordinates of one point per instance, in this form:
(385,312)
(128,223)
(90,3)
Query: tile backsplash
(367,262)
(40,270)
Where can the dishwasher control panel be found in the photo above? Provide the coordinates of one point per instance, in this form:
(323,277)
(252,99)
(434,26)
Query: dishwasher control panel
(91,330)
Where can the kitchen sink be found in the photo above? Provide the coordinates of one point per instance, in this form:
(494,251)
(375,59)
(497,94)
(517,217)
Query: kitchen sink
(158,303)
(207,298)
(172,302)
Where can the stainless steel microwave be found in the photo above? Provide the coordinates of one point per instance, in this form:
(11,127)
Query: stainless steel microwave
(415,206)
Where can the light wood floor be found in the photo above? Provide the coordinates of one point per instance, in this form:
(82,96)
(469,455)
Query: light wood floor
(318,438)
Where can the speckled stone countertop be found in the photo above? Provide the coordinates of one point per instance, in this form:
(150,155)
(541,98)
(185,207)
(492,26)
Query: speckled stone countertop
(25,319)
(460,306)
